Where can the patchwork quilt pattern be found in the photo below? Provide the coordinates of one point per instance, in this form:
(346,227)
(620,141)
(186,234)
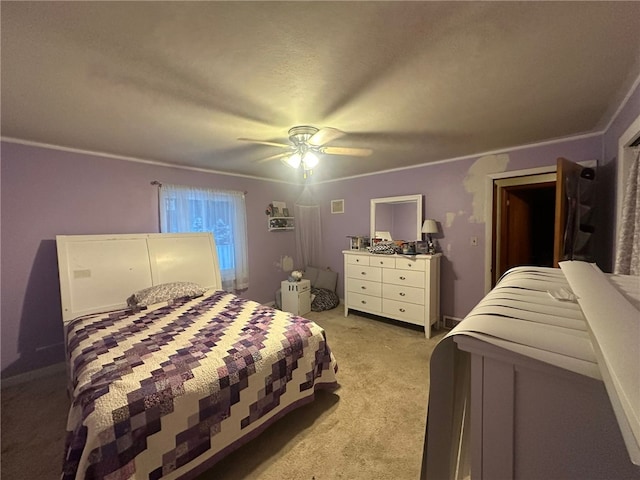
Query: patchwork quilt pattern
(159,392)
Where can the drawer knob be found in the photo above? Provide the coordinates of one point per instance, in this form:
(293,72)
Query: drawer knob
(401,309)
(363,273)
(402,294)
(363,287)
(410,265)
(403,278)
(363,302)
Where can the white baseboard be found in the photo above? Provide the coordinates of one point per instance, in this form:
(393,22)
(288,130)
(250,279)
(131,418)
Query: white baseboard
(33,375)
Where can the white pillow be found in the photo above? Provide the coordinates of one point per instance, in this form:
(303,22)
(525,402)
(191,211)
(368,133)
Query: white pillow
(164,292)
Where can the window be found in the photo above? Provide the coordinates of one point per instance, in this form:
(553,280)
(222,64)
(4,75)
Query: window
(221,212)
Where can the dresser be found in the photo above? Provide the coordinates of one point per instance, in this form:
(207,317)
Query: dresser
(402,287)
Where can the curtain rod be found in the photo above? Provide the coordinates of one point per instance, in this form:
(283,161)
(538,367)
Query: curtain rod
(156,182)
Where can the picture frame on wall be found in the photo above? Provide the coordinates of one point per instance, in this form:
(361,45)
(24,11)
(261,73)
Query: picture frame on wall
(337,206)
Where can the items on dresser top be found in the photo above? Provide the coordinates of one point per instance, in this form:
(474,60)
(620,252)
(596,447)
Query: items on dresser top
(405,288)
(387,247)
(383,247)
(357,242)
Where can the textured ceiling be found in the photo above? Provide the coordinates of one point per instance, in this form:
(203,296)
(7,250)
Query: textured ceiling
(417,82)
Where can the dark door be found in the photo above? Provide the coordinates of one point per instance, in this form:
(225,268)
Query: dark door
(529,221)
(526,226)
(566,170)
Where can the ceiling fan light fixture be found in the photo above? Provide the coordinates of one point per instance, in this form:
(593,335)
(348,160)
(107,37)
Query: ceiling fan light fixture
(294,160)
(306,144)
(310,160)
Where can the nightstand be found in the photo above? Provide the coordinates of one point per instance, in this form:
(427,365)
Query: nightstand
(296,296)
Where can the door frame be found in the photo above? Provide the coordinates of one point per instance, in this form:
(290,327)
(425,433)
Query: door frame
(488,207)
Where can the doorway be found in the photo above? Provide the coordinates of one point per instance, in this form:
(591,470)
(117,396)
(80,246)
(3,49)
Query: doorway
(558,175)
(523,222)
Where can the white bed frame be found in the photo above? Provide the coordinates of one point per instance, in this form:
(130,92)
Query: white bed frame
(99,272)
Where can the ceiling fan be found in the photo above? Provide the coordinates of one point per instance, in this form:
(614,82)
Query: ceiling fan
(306,143)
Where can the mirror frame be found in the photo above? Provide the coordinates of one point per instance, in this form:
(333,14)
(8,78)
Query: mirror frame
(400,199)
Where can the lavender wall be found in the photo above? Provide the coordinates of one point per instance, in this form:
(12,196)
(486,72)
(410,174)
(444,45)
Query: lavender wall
(49,192)
(445,197)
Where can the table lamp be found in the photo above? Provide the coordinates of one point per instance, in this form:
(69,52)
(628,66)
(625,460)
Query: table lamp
(430,226)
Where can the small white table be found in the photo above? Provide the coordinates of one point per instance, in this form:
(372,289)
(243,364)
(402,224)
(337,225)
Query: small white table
(296,296)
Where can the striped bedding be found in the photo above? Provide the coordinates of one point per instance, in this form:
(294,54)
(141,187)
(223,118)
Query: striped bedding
(167,391)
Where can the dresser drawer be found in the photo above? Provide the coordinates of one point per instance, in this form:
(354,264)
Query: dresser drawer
(365,287)
(382,261)
(403,277)
(364,272)
(403,293)
(359,301)
(408,312)
(357,259)
(409,264)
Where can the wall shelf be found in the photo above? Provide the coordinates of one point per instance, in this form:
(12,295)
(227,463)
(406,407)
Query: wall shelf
(280,223)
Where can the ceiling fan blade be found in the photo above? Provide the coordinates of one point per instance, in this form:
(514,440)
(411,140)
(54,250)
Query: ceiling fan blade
(263,142)
(354,152)
(324,136)
(274,157)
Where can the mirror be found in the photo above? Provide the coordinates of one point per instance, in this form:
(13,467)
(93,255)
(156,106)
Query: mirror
(397,217)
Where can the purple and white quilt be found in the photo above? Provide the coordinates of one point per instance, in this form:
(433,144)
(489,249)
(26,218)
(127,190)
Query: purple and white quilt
(166,392)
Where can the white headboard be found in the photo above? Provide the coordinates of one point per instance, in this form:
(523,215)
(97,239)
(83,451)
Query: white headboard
(99,272)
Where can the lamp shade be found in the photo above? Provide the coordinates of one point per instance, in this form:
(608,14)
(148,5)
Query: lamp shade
(429,226)
(310,160)
(294,160)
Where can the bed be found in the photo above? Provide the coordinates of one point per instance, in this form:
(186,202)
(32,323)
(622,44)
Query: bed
(168,373)
(540,380)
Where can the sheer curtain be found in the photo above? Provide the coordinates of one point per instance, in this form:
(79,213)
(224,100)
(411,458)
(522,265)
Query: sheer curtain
(221,212)
(308,230)
(628,251)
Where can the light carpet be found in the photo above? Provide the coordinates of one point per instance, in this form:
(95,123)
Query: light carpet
(371,427)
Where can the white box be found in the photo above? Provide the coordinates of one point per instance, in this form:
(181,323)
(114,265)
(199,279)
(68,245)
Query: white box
(296,297)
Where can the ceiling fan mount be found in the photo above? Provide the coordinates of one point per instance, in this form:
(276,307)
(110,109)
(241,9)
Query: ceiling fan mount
(301,134)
